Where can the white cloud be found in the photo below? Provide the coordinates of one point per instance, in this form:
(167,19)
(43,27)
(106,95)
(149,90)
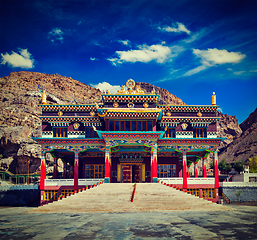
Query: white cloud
(178,27)
(215,56)
(56,34)
(253,70)
(239,72)
(124,42)
(158,53)
(107,86)
(93,58)
(195,70)
(212,57)
(23,59)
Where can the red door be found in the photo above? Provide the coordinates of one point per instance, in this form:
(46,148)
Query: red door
(127,173)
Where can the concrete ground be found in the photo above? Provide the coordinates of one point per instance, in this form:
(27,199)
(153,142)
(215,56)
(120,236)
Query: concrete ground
(239,223)
(107,213)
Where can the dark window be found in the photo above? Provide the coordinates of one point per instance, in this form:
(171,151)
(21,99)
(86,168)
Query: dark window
(127,125)
(139,126)
(60,132)
(111,125)
(134,125)
(144,126)
(122,125)
(150,126)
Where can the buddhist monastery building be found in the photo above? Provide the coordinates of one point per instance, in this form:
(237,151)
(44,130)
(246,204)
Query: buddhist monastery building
(129,138)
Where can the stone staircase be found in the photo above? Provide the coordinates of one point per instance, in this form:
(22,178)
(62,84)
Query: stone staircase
(116,198)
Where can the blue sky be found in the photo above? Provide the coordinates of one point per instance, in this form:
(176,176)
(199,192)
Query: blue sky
(190,48)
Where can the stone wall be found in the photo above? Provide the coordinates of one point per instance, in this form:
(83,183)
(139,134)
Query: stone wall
(18,198)
(248,194)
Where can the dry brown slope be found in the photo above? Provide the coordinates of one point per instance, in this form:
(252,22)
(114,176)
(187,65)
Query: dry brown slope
(244,145)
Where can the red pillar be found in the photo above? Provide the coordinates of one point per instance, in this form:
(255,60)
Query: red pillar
(107,166)
(43,171)
(196,170)
(64,170)
(184,171)
(154,164)
(55,168)
(204,168)
(216,169)
(76,170)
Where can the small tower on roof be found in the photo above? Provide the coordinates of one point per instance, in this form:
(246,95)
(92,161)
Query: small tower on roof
(44,97)
(213,99)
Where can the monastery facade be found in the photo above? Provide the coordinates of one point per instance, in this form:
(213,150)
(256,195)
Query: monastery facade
(129,138)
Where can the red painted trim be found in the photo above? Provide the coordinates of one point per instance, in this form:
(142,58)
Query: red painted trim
(196,173)
(204,171)
(107,168)
(76,175)
(184,174)
(43,174)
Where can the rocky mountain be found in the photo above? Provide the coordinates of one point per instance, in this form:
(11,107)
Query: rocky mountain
(165,96)
(244,145)
(19,114)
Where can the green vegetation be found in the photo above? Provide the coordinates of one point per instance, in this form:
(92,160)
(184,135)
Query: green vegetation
(253,164)
(238,193)
(1,156)
(239,166)
(224,167)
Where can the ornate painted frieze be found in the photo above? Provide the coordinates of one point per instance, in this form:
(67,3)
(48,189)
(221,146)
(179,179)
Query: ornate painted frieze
(212,134)
(185,134)
(69,108)
(188,108)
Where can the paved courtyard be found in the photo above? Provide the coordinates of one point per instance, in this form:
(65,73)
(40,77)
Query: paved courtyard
(238,223)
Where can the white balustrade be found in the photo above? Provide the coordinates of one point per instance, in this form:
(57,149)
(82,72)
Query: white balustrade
(190,181)
(70,182)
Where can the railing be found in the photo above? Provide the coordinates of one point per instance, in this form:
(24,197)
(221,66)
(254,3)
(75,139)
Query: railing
(198,181)
(171,180)
(70,182)
(19,187)
(226,198)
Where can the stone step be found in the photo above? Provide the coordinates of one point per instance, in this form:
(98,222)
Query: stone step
(116,197)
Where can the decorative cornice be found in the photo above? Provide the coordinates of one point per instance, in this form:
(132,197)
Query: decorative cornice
(70,119)
(130,98)
(69,107)
(189,108)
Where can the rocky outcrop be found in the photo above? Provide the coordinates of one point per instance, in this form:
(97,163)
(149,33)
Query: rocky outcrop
(244,145)
(228,128)
(19,114)
(165,97)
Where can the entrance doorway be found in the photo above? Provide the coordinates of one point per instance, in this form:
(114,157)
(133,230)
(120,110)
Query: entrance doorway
(131,173)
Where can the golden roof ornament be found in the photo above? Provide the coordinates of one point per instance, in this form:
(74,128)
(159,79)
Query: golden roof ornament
(130,85)
(213,99)
(138,89)
(122,90)
(44,97)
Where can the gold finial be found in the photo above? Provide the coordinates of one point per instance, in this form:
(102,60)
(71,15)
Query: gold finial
(138,89)
(213,99)
(122,90)
(44,97)
(130,85)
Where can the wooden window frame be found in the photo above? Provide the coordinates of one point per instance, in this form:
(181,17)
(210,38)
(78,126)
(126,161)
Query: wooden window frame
(199,132)
(159,172)
(95,172)
(114,123)
(60,132)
